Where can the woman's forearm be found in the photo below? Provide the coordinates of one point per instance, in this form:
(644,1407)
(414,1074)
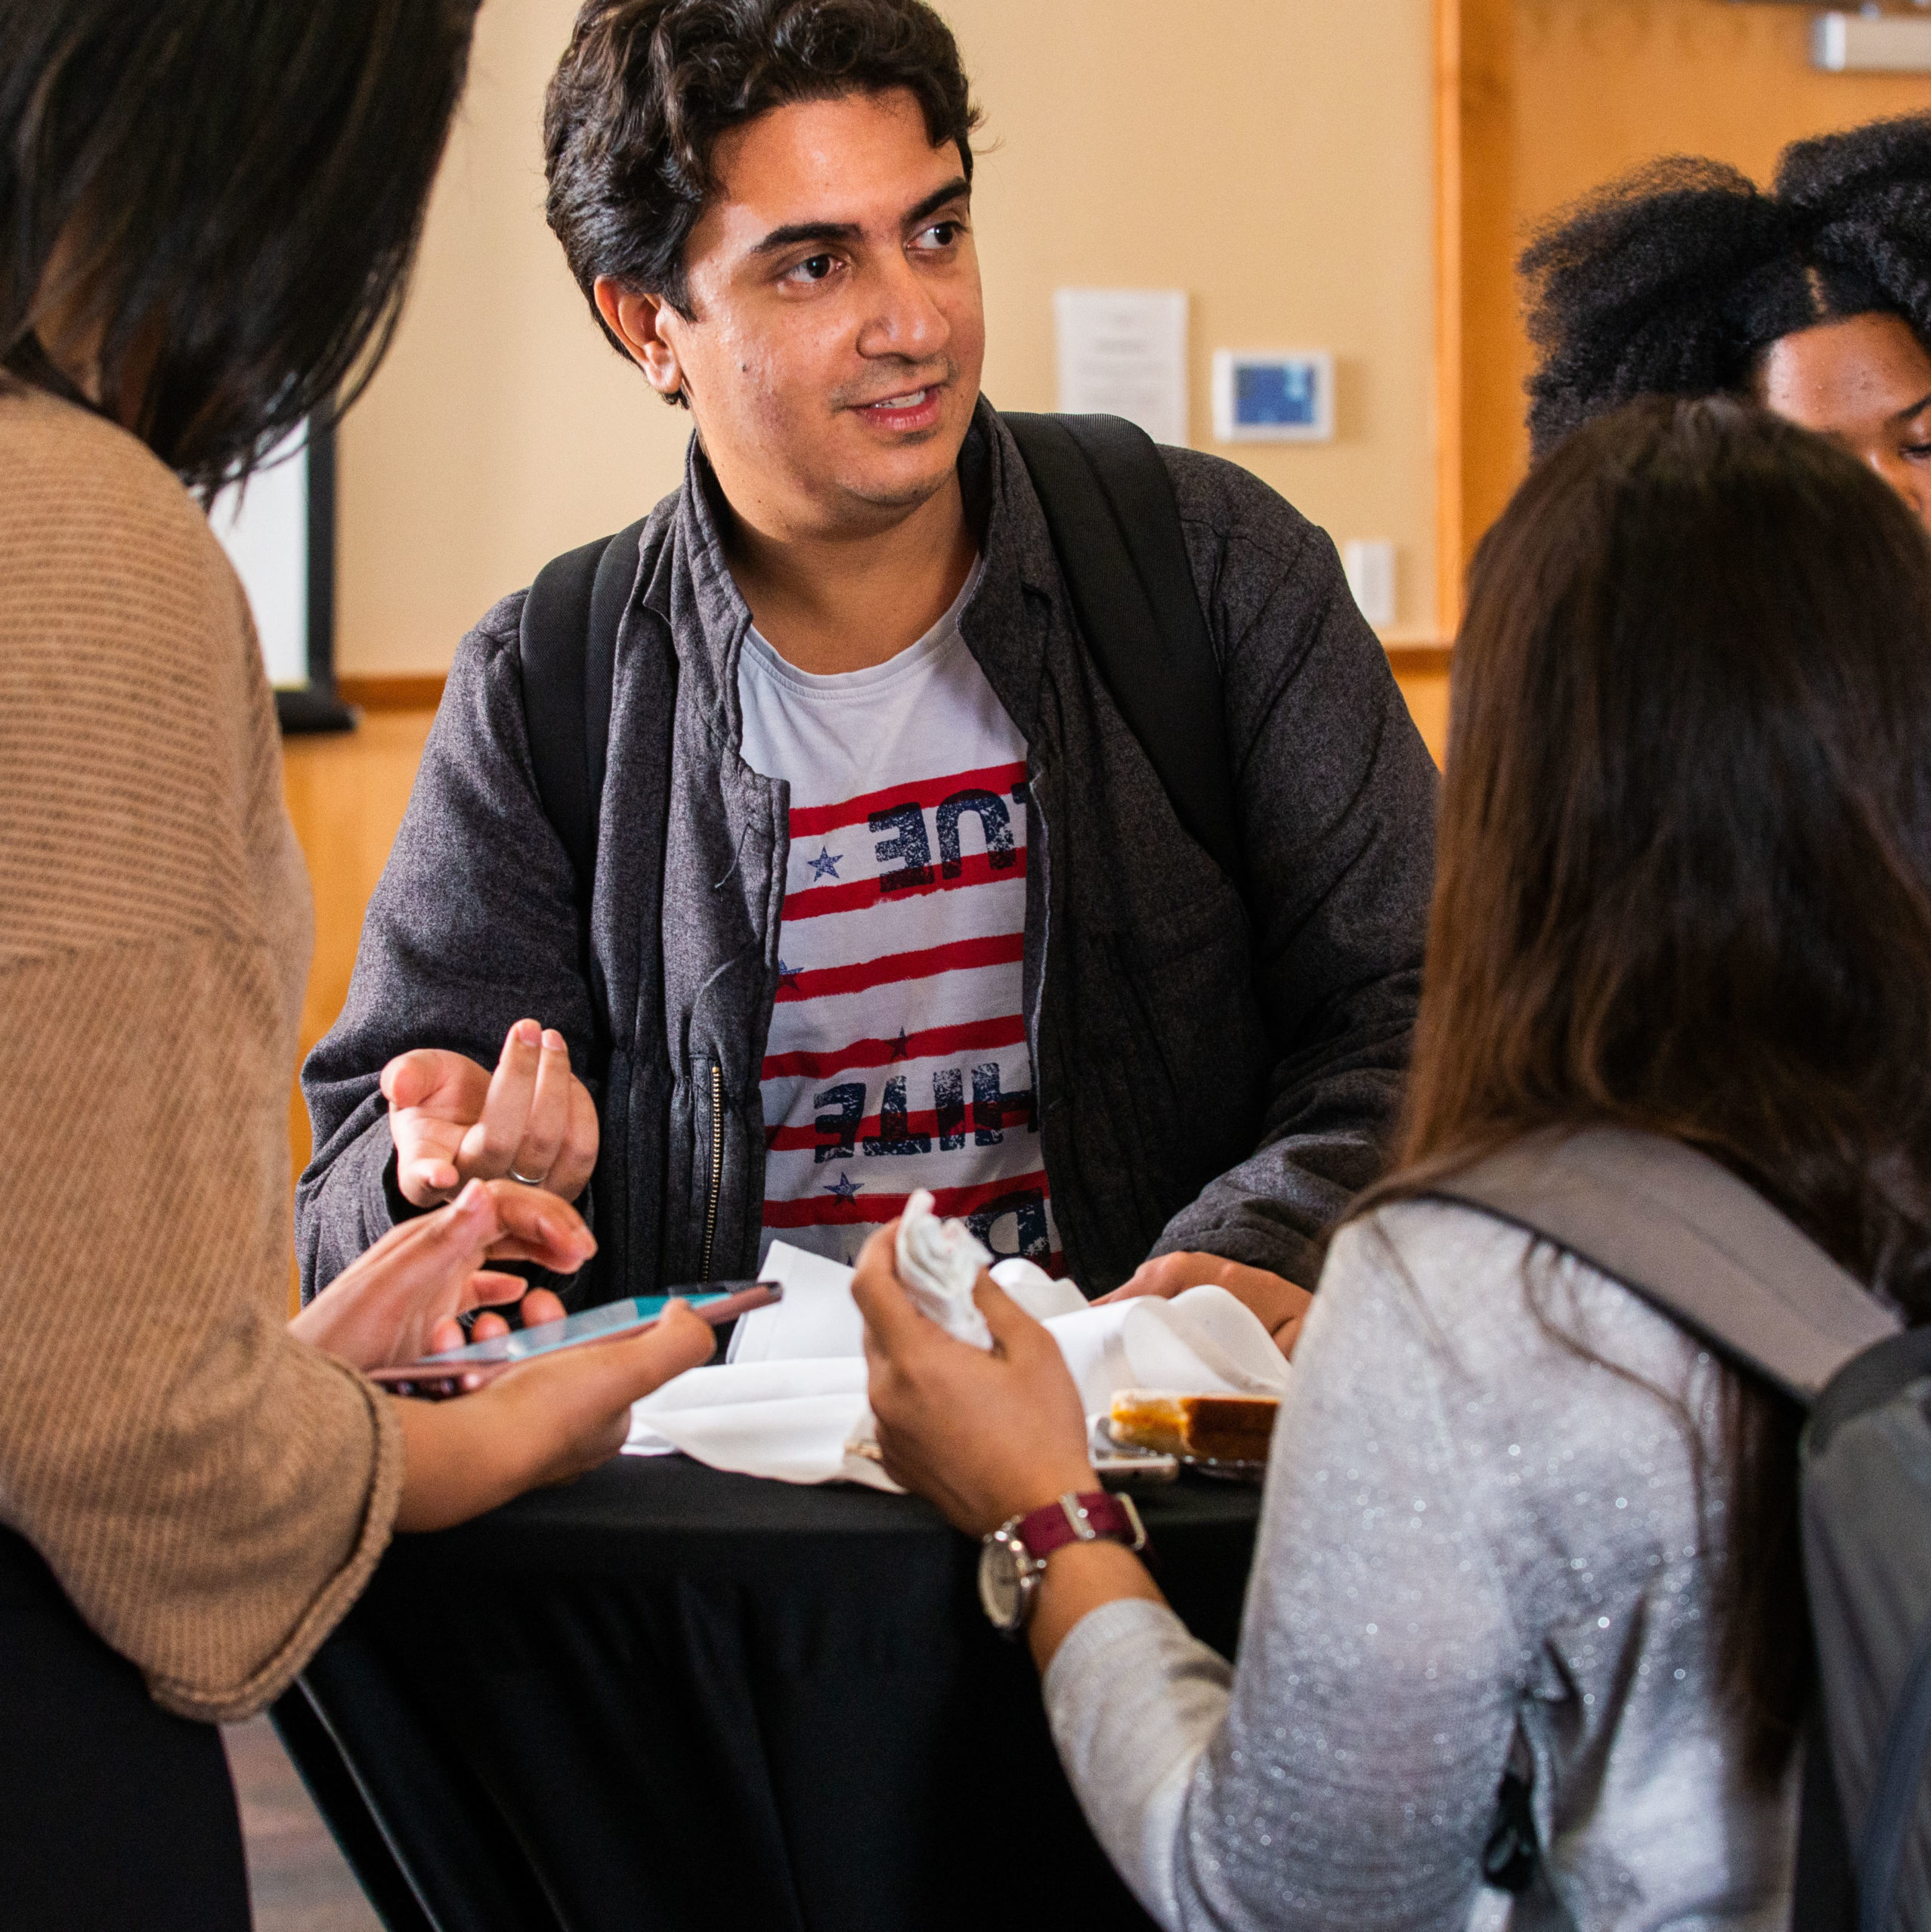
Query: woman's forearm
(1080,1578)
(1134,1702)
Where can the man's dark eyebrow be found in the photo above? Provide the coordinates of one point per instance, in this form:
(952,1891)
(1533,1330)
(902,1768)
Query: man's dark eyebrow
(958,186)
(781,239)
(1904,415)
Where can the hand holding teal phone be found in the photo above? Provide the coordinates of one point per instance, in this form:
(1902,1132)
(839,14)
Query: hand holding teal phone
(456,1371)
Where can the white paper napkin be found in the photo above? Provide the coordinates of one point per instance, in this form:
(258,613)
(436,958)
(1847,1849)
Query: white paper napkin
(1204,1342)
(939,1264)
(1036,1292)
(792,1397)
(788,1420)
(817,1318)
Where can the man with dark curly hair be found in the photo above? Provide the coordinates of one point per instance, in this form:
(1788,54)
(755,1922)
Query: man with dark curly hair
(886,895)
(1814,299)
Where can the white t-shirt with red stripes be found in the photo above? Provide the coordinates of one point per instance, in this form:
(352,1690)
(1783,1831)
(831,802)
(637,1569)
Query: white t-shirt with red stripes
(897,1057)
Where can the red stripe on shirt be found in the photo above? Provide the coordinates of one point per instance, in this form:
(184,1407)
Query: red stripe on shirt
(823,1209)
(961,956)
(808,821)
(976,869)
(934,1043)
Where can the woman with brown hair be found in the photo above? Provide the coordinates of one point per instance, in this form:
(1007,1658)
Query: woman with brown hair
(209,209)
(1516,1520)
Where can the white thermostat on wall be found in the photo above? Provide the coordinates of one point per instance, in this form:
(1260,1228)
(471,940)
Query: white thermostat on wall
(1273,396)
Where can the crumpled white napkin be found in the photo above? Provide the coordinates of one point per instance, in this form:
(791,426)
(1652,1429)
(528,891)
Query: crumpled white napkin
(819,1318)
(938,1262)
(1036,1292)
(792,1397)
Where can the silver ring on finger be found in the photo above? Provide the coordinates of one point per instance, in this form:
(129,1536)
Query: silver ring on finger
(527,1179)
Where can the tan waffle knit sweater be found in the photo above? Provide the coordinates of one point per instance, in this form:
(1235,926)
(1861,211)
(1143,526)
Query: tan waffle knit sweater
(210,1493)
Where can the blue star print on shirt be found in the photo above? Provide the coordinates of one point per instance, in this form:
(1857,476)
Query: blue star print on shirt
(844,1187)
(825,865)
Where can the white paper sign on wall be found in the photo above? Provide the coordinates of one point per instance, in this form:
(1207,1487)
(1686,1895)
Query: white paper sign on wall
(1123,352)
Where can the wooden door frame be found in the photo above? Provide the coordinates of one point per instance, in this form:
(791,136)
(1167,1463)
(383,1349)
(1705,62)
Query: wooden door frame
(1474,282)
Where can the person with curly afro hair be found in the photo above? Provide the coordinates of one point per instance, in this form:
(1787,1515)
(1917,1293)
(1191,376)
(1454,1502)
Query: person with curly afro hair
(1814,299)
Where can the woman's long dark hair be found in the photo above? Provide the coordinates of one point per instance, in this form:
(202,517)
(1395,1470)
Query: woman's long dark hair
(1683,877)
(229,193)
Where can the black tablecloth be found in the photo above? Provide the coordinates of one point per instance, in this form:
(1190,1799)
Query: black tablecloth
(669,1698)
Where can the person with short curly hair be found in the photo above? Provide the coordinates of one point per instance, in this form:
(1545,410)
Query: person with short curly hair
(1813,299)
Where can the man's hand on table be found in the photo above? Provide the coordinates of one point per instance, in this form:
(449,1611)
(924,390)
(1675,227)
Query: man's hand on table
(987,1435)
(400,1300)
(452,1121)
(1279,1303)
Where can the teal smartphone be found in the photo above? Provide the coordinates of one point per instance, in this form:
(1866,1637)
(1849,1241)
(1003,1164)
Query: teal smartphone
(456,1371)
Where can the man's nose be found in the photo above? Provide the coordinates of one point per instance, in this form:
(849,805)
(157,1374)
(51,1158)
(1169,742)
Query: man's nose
(906,320)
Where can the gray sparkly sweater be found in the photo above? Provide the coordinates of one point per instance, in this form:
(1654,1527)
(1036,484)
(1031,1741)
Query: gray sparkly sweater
(1474,1541)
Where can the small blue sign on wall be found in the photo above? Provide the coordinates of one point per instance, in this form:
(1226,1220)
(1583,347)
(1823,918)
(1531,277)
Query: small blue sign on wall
(1273,396)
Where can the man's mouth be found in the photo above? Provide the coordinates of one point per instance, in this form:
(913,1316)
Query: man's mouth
(909,408)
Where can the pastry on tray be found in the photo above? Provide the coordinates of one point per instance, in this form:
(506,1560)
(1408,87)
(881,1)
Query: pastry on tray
(1228,1429)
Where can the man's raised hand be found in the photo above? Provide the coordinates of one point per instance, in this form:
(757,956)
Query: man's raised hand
(531,1120)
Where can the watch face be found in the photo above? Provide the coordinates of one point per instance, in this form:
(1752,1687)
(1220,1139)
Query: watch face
(1001,1593)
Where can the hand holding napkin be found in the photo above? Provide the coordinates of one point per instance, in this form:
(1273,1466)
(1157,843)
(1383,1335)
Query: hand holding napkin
(938,1262)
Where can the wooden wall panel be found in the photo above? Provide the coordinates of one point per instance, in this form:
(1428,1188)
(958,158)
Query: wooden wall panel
(1474,172)
(346,795)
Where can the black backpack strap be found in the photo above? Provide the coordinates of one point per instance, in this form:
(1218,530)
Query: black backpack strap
(1116,529)
(568,646)
(568,643)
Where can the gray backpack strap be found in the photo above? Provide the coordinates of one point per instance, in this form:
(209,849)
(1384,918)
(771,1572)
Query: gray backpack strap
(1688,1236)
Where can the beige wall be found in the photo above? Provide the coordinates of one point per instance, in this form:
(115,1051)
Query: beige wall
(1270,156)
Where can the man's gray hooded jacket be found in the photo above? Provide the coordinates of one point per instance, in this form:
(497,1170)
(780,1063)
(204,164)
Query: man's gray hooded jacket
(1207,1075)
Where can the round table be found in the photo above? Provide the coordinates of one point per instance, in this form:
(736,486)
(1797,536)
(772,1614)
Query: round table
(666,1697)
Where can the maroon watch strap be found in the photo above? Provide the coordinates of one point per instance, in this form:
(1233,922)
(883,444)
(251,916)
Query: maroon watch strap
(1092,1514)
